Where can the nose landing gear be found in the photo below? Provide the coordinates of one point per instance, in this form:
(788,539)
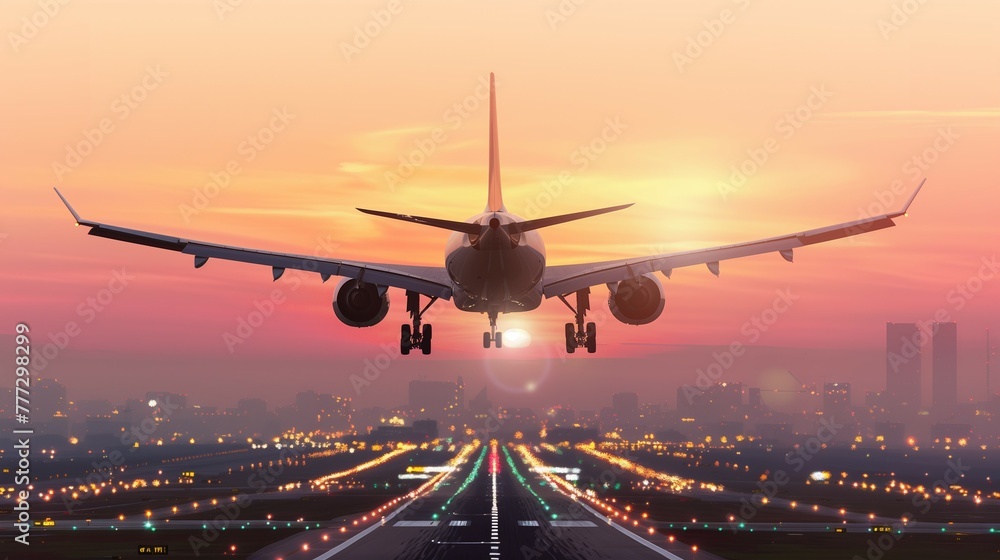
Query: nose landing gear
(493,336)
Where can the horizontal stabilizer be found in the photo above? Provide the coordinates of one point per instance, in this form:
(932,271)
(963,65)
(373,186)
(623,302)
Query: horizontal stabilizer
(529,225)
(463,227)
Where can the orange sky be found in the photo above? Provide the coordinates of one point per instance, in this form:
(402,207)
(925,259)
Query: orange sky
(198,80)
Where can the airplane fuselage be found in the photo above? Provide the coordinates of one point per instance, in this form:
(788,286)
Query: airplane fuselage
(496,271)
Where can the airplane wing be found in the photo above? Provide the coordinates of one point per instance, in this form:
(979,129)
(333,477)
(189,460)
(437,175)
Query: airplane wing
(566,279)
(426,280)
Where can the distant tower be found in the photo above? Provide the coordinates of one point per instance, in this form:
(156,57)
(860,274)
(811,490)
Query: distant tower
(625,402)
(989,351)
(902,364)
(944,374)
(836,400)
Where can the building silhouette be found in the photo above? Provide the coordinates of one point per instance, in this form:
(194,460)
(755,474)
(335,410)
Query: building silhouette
(944,371)
(902,365)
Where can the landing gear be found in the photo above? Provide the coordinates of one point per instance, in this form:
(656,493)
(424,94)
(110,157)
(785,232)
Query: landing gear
(579,335)
(414,336)
(493,336)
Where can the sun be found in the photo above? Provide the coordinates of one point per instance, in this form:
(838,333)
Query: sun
(516,338)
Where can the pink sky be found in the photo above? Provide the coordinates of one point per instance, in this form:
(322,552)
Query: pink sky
(197,84)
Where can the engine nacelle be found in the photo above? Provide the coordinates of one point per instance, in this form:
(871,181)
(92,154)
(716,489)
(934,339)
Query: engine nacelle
(637,302)
(360,305)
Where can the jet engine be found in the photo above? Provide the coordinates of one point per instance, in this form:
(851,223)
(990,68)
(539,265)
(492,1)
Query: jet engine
(360,304)
(637,301)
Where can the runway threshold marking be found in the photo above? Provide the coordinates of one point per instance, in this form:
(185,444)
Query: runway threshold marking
(571,523)
(416,524)
(529,523)
(458,523)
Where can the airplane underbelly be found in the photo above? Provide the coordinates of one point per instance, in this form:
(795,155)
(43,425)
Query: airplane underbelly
(508,280)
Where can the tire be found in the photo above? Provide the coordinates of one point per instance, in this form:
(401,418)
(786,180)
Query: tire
(425,340)
(591,338)
(486,340)
(498,340)
(404,340)
(570,338)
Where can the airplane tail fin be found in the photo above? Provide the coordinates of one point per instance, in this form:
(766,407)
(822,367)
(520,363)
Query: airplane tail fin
(494,202)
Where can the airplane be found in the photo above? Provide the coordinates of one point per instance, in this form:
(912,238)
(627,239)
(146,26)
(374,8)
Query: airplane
(495,263)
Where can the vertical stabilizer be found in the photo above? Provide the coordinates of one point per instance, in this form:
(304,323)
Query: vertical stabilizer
(495,201)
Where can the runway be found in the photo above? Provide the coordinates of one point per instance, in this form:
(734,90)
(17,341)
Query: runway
(491,508)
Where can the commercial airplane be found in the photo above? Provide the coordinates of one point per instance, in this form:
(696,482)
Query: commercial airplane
(495,263)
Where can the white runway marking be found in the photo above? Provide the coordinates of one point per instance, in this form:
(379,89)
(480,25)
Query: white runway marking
(569,523)
(458,524)
(530,523)
(416,524)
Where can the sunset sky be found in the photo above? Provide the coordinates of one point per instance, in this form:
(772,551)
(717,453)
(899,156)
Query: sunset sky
(858,100)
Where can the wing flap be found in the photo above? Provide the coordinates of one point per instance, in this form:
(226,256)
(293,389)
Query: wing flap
(430,281)
(565,279)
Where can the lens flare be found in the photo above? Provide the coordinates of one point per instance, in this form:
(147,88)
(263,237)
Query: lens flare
(516,338)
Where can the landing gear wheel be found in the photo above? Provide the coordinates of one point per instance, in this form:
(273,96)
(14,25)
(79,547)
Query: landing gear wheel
(486,340)
(405,340)
(578,335)
(417,335)
(498,340)
(425,340)
(591,338)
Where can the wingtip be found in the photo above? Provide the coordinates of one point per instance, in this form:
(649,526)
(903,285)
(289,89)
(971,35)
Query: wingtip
(913,196)
(68,206)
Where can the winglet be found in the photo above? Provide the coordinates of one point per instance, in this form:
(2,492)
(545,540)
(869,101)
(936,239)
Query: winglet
(910,201)
(66,202)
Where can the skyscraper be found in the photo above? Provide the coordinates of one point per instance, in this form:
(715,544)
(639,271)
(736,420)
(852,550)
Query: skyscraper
(625,402)
(836,400)
(902,364)
(944,374)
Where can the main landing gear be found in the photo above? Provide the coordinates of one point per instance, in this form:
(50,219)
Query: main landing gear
(493,335)
(578,335)
(415,336)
